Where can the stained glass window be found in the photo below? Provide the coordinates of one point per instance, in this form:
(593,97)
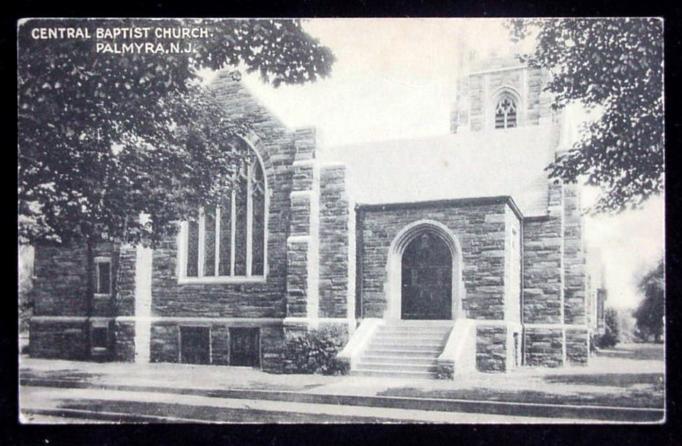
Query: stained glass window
(229,240)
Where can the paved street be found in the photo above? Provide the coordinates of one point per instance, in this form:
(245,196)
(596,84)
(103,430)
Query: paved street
(162,407)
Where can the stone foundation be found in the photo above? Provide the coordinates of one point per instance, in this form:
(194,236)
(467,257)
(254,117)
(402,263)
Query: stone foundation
(124,341)
(58,339)
(165,343)
(491,349)
(577,346)
(544,347)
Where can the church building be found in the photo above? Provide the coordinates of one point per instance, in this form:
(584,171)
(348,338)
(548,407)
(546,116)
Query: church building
(451,254)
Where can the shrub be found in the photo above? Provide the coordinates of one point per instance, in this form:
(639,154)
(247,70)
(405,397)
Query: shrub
(315,351)
(445,371)
(611,335)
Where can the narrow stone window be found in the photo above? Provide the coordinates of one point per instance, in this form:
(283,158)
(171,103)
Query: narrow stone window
(505,112)
(229,240)
(102,275)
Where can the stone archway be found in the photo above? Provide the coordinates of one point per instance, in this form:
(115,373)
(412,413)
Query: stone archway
(431,254)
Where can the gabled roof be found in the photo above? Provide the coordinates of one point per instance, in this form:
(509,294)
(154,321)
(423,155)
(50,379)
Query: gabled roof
(467,165)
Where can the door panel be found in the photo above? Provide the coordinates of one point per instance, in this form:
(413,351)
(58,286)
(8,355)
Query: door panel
(426,279)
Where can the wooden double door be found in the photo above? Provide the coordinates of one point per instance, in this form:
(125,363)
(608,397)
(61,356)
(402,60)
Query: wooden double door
(426,279)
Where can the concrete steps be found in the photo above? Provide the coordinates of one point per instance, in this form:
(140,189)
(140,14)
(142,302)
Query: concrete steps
(404,349)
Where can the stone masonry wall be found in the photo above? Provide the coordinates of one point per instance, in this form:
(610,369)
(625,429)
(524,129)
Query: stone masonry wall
(125,279)
(479,226)
(577,346)
(543,346)
(165,345)
(275,145)
(57,339)
(124,341)
(302,244)
(59,287)
(543,264)
(575,278)
(482,88)
(335,234)
(555,282)
(491,349)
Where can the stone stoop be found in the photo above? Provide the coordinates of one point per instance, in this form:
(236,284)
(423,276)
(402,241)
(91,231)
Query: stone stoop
(404,349)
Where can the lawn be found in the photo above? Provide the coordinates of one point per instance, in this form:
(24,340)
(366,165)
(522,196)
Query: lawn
(627,376)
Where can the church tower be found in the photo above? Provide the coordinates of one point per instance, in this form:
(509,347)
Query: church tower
(499,93)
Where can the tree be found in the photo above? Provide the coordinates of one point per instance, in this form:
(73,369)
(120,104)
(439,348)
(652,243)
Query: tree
(611,335)
(25,285)
(650,312)
(613,67)
(105,138)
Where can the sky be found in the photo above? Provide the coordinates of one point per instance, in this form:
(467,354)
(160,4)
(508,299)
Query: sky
(396,78)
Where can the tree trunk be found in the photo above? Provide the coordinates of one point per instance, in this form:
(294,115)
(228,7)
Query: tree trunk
(89,294)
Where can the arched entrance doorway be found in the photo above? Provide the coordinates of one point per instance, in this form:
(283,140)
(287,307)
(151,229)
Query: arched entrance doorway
(424,278)
(426,288)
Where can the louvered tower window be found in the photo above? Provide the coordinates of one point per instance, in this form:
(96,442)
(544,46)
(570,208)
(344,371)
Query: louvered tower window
(505,112)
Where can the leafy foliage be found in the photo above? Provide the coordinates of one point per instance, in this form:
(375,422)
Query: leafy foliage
(104,138)
(649,315)
(611,335)
(25,286)
(315,351)
(445,371)
(613,67)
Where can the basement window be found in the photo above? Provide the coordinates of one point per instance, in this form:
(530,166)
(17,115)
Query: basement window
(245,347)
(100,337)
(195,345)
(99,340)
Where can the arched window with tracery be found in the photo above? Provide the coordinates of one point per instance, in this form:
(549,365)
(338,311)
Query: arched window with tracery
(228,241)
(505,112)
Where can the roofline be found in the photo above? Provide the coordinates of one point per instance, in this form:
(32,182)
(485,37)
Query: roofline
(225,73)
(537,218)
(494,70)
(476,201)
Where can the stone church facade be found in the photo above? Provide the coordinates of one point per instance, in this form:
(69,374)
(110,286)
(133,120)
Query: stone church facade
(476,263)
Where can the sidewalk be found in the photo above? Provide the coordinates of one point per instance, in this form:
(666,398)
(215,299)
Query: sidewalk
(595,392)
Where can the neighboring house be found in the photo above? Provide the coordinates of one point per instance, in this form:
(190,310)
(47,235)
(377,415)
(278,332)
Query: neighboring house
(453,252)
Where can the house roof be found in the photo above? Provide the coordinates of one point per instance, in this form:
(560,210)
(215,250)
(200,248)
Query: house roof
(467,165)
